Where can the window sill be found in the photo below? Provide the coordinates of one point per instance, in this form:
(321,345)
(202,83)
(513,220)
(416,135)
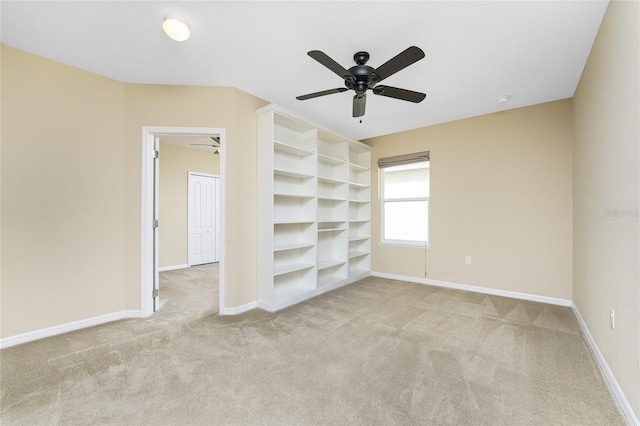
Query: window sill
(408,244)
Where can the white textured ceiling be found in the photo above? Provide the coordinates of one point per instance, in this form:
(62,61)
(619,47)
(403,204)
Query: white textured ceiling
(476,51)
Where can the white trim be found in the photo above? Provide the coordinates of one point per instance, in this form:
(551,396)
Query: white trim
(173,267)
(146,229)
(607,374)
(65,328)
(146,246)
(475,289)
(239,309)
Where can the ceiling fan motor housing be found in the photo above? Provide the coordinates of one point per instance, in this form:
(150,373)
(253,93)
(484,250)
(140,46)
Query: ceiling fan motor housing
(365,76)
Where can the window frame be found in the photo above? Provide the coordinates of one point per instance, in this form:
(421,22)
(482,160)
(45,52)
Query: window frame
(383,201)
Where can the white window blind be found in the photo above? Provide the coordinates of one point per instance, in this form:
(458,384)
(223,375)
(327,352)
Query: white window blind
(398,160)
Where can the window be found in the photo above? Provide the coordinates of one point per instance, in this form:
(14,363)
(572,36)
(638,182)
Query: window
(405,199)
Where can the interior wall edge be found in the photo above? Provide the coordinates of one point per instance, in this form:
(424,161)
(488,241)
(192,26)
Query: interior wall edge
(607,374)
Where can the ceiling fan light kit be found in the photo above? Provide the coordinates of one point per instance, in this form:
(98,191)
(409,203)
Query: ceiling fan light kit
(362,77)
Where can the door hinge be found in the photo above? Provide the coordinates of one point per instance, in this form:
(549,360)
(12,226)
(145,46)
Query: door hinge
(155,223)
(156,153)
(155,292)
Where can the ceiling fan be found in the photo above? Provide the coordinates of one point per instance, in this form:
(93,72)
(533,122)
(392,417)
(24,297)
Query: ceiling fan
(216,144)
(362,77)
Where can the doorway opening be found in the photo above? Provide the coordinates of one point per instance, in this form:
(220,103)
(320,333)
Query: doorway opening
(150,222)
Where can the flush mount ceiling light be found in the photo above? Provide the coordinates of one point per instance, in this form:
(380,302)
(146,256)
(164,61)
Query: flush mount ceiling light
(176,29)
(504,99)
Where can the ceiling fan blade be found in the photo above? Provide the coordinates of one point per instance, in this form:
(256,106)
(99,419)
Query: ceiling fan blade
(331,64)
(399,62)
(323,93)
(359,103)
(402,94)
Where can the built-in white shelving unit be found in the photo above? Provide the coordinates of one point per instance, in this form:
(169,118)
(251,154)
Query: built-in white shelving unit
(314,202)
(359,211)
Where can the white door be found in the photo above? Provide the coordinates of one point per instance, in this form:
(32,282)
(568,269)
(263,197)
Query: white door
(203,218)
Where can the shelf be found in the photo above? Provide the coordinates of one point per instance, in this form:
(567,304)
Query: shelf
(290,267)
(354,166)
(331,229)
(292,246)
(331,199)
(358,272)
(357,185)
(330,180)
(293,196)
(358,238)
(358,201)
(330,160)
(286,292)
(325,264)
(329,281)
(354,254)
(288,173)
(331,223)
(358,220)
(291,149)
(293,222)
(330,220)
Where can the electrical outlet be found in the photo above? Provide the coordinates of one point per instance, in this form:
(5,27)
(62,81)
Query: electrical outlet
(612,318)
(467,260)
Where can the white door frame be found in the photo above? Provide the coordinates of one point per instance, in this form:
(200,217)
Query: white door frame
(147,188)
(189,222)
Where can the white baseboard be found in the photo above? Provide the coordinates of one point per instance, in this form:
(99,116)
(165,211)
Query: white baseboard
(618,395)
(472,288)
(173,267)
(65,328)
(239,309)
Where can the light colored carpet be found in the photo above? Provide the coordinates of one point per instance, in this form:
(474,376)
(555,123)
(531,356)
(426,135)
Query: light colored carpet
(375,352)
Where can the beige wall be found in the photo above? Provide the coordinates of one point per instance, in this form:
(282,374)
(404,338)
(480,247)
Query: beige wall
(63,194)
(182,106)
(606,192)
(241,200)
(500,193)
(71,179)
(175,164)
